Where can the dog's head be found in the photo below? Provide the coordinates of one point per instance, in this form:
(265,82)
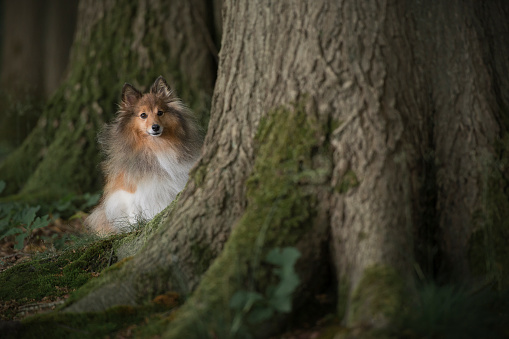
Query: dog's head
(153,114)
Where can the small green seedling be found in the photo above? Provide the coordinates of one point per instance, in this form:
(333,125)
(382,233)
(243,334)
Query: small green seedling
(23,222)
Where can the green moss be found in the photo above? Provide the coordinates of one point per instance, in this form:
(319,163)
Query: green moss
(112,273)
(86,325)
(281,207)
(199,174)
(125,246)
(378,297)
(118,265)
(334,124)
(55,276)
(203,255)
(362,236)
(348,181)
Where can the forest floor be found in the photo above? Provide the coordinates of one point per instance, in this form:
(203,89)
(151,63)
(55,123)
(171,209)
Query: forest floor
(40,242)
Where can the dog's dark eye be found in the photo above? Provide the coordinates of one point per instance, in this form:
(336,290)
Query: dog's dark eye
(160,113)
(143,115)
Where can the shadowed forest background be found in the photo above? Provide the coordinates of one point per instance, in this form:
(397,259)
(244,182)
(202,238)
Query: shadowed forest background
(36,41)
(353,181)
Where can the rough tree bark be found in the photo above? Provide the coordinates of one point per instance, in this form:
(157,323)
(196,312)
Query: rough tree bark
(116,41)
(375,129)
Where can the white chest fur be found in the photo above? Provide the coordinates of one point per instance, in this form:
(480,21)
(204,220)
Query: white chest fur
(153,193)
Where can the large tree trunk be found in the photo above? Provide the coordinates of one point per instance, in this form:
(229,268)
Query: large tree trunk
(374,129)
(114,43)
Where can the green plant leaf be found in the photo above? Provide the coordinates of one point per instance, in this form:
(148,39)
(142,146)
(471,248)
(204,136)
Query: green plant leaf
(90,200)
(28,215)
(282,303)
(2,186)
(285,257)
(255,307)
(244,300)
(259,314)
(20,240)
(12,231)
(288,284)
(4,222)
(280,296)
(40,222)
(64,206)
(238,300)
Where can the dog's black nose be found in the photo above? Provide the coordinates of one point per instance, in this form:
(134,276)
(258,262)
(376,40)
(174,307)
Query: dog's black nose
(155,127)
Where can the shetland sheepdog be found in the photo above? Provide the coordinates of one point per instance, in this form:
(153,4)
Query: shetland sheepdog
(150,147)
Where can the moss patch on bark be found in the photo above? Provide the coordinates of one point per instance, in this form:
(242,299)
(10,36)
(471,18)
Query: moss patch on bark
(281,207)
(348,181)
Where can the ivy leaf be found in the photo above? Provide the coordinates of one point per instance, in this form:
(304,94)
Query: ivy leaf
(280,296)
(256,307)
(289,282)
(285,257)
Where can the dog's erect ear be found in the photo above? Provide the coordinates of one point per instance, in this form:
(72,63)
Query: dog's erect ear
(161,87)
(130,95)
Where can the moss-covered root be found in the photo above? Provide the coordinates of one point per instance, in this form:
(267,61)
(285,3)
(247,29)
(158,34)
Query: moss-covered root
(282,201)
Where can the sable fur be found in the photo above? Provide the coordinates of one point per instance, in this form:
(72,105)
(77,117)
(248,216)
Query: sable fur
(143,173)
